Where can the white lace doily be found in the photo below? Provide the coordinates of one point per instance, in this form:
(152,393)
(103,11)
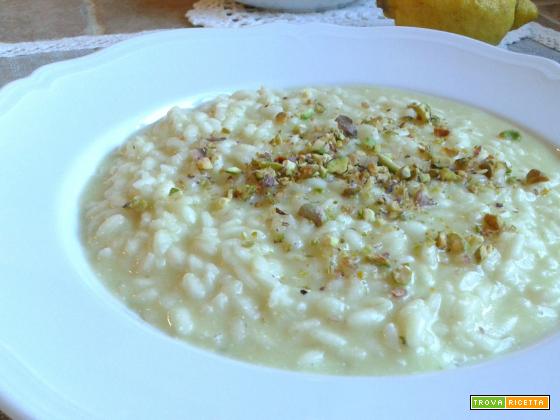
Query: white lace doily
(535,31)
(229,14)
(539,33)
(76,43)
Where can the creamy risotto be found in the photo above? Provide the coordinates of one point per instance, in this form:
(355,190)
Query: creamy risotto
(338,230)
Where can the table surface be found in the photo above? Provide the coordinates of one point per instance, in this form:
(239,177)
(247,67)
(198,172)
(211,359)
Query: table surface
(32,20)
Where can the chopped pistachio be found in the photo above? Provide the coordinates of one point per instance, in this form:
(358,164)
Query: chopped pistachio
(482,252)
(368,143)
(389,133)
(346,125)
(331,241)
(313,213)
(233,170)
(474,185)
(423,112)
(289,167)
(388,163)
(262,173)
(338,165)
(298,129)
(534,176)
(276,140)
(474,241)
(174,191)
(278,238)
(405,172)
(455,243)
(319,147)
(492,223)
(450,151)
(319,108)
(441,132)
(378,260)
(262,164)
(510,135)
(249,241)
(424,178)
(219,203)
(441,240)
(447,175)
(402,275)
(441,161)
(422,199)
(204,164)
(462,164)
(268,181)
(281,118)
(351,190)
(307,114)
(367,214)
(137,203)
(244,192)
(491,166)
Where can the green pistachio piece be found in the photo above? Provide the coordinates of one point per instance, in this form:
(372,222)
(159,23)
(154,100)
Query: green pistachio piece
(219,203)
(319,108)
(367,214)
(388,163)
(513,135)
(289,167)
(368,143)
(319,147)
(338,165)
(534,176)
(491,224)
(174,191)
(233,170)
(244,192)
(447,175)
(204,164)
(482,252)
(307,114)
(423,112)
(378,260)
(405,172)
(441,240)
(455,243)
(137,203)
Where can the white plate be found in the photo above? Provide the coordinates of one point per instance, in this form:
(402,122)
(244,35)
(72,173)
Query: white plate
(69,349)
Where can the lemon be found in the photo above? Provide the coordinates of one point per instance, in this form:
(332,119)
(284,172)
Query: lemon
(486,20)
(526,12)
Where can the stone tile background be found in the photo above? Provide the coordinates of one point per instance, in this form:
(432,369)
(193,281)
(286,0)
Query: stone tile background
(549,13)
(29,20)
